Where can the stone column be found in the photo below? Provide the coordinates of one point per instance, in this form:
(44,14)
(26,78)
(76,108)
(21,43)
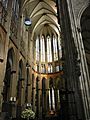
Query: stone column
(30,62)
(13,92)
(29,86)
(13,83)
(39,90)
(56,100)
(33,98)
(46,99)
(38,97)
(34,94)
(4,60)
(1,84)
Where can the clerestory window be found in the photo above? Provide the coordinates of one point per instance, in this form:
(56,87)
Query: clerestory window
(48,50)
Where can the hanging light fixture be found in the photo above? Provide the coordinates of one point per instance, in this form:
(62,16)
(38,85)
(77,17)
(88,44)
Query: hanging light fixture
(27,21)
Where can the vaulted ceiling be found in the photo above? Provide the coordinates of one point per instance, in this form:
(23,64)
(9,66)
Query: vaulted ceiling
(43,14)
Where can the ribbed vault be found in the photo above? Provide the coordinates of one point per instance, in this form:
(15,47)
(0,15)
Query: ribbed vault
(43,14)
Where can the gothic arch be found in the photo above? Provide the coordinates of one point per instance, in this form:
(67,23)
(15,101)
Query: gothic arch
(11,56)
(81,12)
(7,88)
(7,79)
(85,31)
(37,96)
(33,92)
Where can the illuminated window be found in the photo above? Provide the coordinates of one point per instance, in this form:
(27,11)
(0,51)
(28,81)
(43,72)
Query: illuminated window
(42,43)
(59,46)
(43,70)
(50,69)
(49,100)
(53,99)
(49,51)
(51,96)
(5,2)
(55,51)
(37,49)
(15,7)
(52,46)
(58,96)
(57,68)
(35,67)
(14,4)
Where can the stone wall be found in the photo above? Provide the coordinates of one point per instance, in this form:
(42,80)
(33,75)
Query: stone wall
(76,8)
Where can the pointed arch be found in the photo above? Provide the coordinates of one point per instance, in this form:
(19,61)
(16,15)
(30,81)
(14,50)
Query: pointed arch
(8,80)
(85,31)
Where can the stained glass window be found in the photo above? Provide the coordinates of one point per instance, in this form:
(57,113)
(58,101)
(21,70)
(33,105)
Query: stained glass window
(5,2)
(49,51)
(50,69)
(49,100)
(15,7)
(35,67)
(37,49)
(51,96)
(59,46)
(53,44)
(58,96)
(53,99)
(55,51)
(57,68)
(43,69)
(42,43)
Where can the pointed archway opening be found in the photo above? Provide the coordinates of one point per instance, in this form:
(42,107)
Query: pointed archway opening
(7,88)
